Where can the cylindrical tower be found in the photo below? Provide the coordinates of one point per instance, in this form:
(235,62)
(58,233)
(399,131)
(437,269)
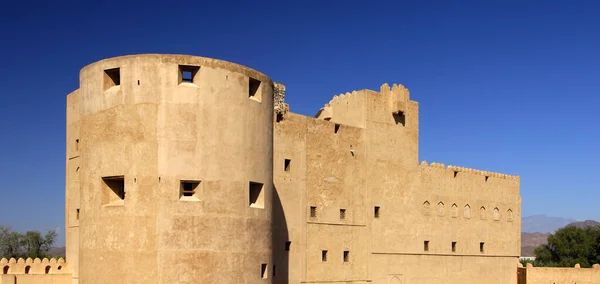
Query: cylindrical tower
(176,167)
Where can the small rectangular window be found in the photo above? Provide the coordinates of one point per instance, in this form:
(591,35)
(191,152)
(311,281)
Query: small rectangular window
(336,128)
(426,245)
(346,256)
(254,90)
(112,78)
(323,255)
(188,74)
(116,185)
(274,271)
(376,212)
(256,194)
(287,246)
(399,118)
(286,165)
(342,214)
(313,211)
(189,188)
(481,247)
(453,246)
(263,270)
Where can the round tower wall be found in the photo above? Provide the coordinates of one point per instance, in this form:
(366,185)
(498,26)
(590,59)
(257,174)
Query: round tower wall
(176,171)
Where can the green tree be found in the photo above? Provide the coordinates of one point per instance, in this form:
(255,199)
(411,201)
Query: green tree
(569,246)
(31,244)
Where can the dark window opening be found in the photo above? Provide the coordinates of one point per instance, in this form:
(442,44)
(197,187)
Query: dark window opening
(188,188)
(112,77)
(287,246)
(481,247)
(346,256)
(188,74)
(27,269)
(455,173)
(376,212)
(336,128)
(486,178)
(279,117)
(324,255)
(453,246)
(399,118)
(274,273)
(59,267)
(254,88)
(263,270)
(47,270)
(116,185)
(426,245)
(5,269)
(342,214)
(313,211)
(286,165)
(257,197)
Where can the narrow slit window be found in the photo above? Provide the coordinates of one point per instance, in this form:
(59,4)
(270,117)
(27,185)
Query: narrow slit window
(188,74)
(254,91)
(274,271)
(115,188)
(77,214)
(336,128)
(376,212)
(288,245)
(189,188)
(286,165)
(313,211)
(47,269)
(399,118)
(323,255)
(256,194)
(342,214)
(455,173)
(112,78)
(426,245)
(346,256)
(482,247)
(453,246)
(263,270)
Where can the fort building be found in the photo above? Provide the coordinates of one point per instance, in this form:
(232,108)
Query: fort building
(184,169)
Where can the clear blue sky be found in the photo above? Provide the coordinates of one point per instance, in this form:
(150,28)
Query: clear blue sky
(504,86)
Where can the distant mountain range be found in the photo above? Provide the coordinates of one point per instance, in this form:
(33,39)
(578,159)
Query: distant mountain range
(530,238)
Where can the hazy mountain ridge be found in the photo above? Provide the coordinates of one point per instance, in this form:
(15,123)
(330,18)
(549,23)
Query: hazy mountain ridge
(531,240)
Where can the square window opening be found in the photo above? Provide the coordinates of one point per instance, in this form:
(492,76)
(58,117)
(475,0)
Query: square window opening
(346,256)
(112,78)
(188,74)
(482,247)
(115,188)
(263,270)
(323,255)
(254,91)
(189,188)
(286,165)
(376,212)
(287,246)
(256,194)
(426,246)
(453,246)
(313,211)
(399,118)
(342,214)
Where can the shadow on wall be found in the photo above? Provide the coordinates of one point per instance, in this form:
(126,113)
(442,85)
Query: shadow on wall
(279,242)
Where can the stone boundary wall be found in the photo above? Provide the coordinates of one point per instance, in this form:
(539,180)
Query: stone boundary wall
(546,275)
(33,266)
(457,169)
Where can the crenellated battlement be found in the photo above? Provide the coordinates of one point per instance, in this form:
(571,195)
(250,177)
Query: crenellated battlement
(34,266)
(458,169)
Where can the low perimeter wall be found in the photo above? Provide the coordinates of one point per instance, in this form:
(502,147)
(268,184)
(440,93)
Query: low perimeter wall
(561,275)
(34,271)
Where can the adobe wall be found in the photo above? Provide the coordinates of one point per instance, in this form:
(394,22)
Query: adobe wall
(543,275)
(34,271)
(155,130)
(72,183)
